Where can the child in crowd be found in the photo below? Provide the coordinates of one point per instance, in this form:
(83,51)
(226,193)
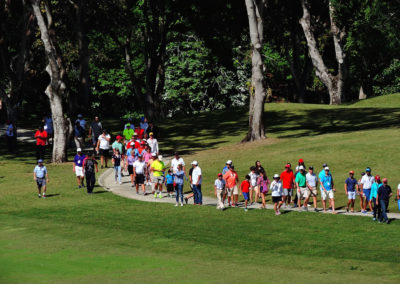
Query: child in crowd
(169,183)
(254,189)
(263,185)
(276,192)
(219,190)
(244,187)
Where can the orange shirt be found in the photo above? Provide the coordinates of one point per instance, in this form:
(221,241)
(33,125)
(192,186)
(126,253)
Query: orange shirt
(230,178)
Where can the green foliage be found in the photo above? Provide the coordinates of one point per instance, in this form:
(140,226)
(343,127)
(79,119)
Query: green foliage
(388,82)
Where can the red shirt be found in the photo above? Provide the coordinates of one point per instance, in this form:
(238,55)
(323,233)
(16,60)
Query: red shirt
(41,137)
(245,186)
(139,132)
(287,179)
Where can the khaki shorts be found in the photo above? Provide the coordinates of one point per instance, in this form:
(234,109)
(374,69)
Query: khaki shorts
(314,191)
(229,192)
(158,180)
(329,194)
(235,190)
(255,188)
(303,193)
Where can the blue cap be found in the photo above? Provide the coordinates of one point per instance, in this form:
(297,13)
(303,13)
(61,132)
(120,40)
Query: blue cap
(40,161)
(368,169)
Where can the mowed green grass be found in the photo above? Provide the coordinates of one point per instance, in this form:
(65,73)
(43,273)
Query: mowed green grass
(72,237)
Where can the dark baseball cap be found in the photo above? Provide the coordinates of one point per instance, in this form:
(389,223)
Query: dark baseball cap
(311,168)
(324,165)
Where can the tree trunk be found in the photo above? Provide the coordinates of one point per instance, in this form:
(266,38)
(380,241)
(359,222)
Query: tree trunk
(56,89)
(334,83)
(257,91)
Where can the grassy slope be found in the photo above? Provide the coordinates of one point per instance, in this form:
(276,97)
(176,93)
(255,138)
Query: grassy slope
(72,237)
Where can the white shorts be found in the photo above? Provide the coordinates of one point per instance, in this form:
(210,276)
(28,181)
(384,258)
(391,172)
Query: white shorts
(329,194)
(79,171)
(235,190)
(303,192)
(351,195)
(255,188)
(287,191)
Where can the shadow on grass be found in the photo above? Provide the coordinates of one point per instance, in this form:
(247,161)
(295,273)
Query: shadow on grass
(100,191)
(52,195)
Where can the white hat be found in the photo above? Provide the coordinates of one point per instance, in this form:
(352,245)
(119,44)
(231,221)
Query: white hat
(195,163)
(229,162)
(301,168)
(276,176)
(160,157)
(326,169)
(154,155)
(79,150)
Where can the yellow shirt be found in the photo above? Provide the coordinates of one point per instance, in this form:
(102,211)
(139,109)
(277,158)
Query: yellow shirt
(159,166)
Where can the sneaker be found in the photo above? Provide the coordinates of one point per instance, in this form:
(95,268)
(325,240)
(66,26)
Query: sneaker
(245,209)
(155,195)
(137,192)
(39,196)
(305,208)
(120,183)
(373,219)
(181,204)
(387,222)
(276,213)
(79,186)
(315,210)
(364,211)
(132,185)
(160,195)
(176,205)
(186,200)
(347,209)
(44,195)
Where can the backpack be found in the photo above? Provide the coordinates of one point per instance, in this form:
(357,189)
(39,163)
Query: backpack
(89,166)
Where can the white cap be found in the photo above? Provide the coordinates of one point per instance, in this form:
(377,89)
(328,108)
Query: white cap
(301,168)
(160,157)
(229,162)
(154,155)
(326,169)
(195,163)
(276,176)
(79,150)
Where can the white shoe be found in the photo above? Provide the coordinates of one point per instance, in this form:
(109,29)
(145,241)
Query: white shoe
(120,183)
(176,205)
(181,204)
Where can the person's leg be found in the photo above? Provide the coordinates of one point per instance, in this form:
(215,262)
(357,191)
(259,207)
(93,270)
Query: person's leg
(276,207)
(137,187)
(119,174)
(383,216)
(194,194)
(263,199)
(298,198)
(323,198)
(200,194)
(375,211)
(39,187)
(102,161)
(333,205)
(219,198)
(106,160)
(78,180)
(251,195)
(180,191)
(370,205)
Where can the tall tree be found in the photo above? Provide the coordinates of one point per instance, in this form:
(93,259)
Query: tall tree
(56,89)
(256,130)
(335,83)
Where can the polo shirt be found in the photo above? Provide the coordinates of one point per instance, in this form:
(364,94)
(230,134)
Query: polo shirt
(320,176)
(97,128)
(301,179)
(128,133)
(40,171)
(374,190)
(245,186)
(219,183)
(78,160)
(311,179)
(175,162)
(351,184)
(196,175)
(158,165)
(367,181)
(230,177)
(383,192)
(117,145)
(327,182)
(41,141)
(139,166)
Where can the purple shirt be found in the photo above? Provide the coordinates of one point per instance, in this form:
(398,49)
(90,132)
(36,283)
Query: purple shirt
(78,160)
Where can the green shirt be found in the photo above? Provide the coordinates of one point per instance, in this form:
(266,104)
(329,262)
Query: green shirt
(128,133)
(117,145)
(301,179)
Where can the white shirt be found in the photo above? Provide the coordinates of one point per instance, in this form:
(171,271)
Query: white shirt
(219,183)
(367,181)
(104,144)
(139,166)
(311,179)
(253,178)
(196,175)
(153,145)
(398,187)
(175,162)
(276,188)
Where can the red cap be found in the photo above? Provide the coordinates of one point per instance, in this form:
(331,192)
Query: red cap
(377,177)
(385,180)
(220,175)
(118,137)
(351,172)
(301,161)
(143,142)
(287,166)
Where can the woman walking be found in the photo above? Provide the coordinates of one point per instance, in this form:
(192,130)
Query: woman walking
(263,185)
(179,176)
(116,160)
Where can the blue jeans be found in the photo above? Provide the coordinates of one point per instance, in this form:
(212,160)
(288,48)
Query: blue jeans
(384,204)
(198,196)
(117,173)
(179,192)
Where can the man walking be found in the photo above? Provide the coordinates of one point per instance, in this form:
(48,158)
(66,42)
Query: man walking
(41,177)
(301,185)
(312,182)
(350,187)
(95,130)
(90,164)
(287,178)
(176,161)
(196,183)
(384,194)
(78,167)
(79,135)
(41,139)
(366,183)
(231,179)
(157,167)
(153,143)
(139,171)
(103,147)
(328,190)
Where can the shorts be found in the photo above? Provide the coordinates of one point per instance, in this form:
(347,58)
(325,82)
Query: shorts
(40,182)
(276,199)
(351,195)
(287,191)
(139,179)
(130,169)
(303,192)
(255,188)
(95,139)
(314,191)
(158,180)
(229,192)
(328,194)
(170,187)
(79,171)
(104,152)
(235,190)
(246,195)
(367,194)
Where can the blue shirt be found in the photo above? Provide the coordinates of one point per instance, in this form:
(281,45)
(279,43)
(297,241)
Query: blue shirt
(10,130)
(170,178)
(327,182)
(78,160)
(320,176)
(351,184)
(374,189)
(179,175)
(225,169)
(40,171)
